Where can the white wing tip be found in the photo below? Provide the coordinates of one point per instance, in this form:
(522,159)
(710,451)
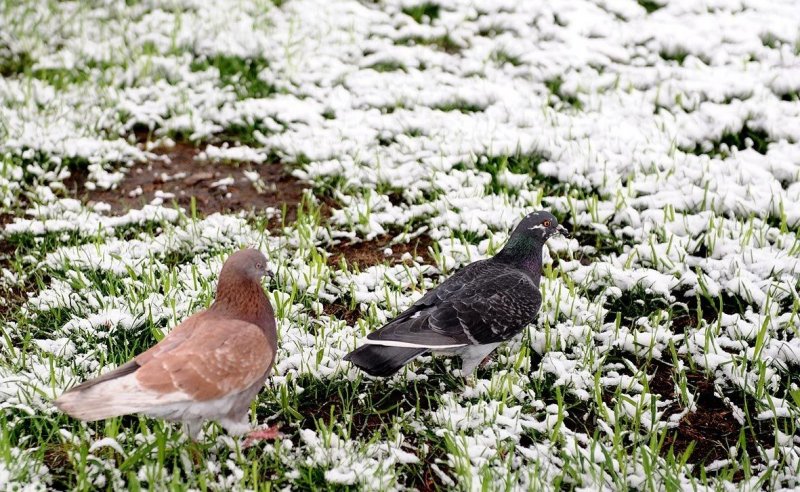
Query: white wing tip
(393,343)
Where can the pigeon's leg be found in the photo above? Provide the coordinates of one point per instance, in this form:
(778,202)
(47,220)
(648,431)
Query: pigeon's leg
(262,434)
(196,454)
(472,355)
(192,429)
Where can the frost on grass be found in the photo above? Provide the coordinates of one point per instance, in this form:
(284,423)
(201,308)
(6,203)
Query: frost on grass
(663,133)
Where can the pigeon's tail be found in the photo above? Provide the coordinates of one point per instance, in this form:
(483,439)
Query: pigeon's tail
(110,395)
(102,400)
(380,360)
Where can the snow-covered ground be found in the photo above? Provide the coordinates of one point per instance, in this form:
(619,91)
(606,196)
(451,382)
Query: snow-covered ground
(667,136)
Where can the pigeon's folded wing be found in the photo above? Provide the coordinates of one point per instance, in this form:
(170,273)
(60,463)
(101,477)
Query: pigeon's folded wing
(484,310)
(174,339)
(212,362)
(178,335)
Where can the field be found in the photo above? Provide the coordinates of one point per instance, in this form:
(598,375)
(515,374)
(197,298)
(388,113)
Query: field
(371,148)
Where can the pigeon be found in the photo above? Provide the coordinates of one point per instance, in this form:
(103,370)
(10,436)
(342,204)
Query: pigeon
(472,312)
(209,367)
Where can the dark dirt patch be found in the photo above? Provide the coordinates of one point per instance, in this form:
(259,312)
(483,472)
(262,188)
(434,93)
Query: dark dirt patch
(341,311)
(12,299)
(7,248)
(576,255)
(369,416)
(581,417)
(56,458)
(368,253)
(712,428)
(690,309)
(682,320)
(428,480)
(9,297)
(178,173)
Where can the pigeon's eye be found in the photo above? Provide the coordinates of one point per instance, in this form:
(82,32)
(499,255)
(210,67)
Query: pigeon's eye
(259,266)
(546,223)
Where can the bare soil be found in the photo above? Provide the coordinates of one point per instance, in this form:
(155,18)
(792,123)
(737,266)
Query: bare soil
(9,298)
(341,311)
(177,172)
(368,253)
(712,427)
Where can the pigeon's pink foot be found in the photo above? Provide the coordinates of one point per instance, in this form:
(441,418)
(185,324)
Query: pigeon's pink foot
(263,434)
(485,361)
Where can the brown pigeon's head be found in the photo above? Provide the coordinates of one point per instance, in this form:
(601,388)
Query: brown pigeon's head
(540,226)
(246,264)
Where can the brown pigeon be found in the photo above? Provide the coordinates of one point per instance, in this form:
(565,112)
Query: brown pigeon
(210,367)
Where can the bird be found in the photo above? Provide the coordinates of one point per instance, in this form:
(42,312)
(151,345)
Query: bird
(209,367)
(480,306)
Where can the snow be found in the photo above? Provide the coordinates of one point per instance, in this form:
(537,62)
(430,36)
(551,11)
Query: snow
(631,120)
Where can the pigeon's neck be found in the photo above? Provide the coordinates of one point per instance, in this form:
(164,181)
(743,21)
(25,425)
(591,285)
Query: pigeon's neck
(243,299)
(524,253)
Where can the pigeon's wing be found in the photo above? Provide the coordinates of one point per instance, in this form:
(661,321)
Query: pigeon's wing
(453,284)
(490,311)
(220,357)
(411,327)
(175,337)
(487,308)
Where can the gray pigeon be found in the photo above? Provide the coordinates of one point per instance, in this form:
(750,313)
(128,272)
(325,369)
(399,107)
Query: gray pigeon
(470,313)
(210,367)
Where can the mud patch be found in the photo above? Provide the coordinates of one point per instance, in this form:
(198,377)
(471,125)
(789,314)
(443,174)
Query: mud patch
(342,312)
(369,415)
(176,177)
(7,249)
(712,428)
(581,256)
(369,253)
(426,479)
(11,296)
(56,458)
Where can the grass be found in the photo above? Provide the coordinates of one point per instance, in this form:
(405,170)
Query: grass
(459,105)
(569,100)
(650,6)
(387,66)
(677,55)
(502,57)
(663,343)
(423,12)
(242,74)
(746,138)
(444,43)
(342,414)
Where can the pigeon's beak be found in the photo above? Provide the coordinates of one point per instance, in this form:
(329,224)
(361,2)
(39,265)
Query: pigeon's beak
(563,231)
(270,275)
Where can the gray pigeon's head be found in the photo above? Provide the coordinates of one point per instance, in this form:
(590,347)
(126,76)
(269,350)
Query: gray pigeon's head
(539,226)
(246,264)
